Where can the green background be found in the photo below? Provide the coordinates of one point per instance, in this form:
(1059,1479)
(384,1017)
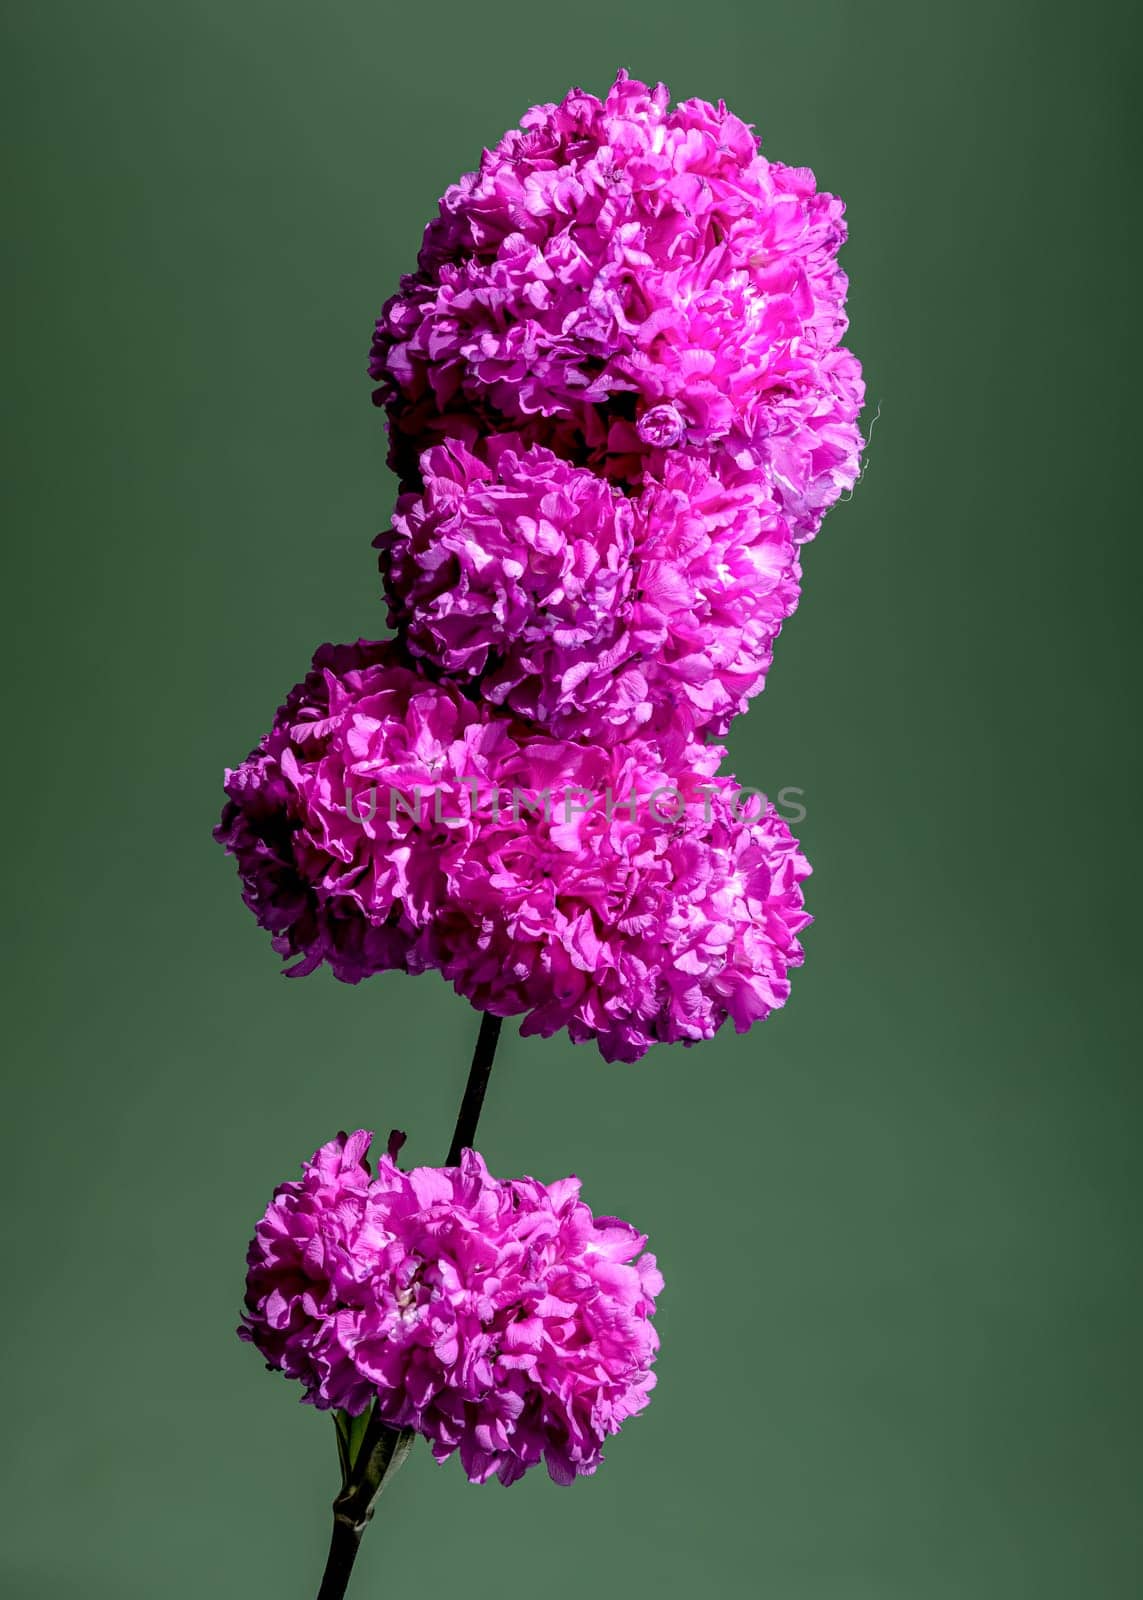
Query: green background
(899,1220)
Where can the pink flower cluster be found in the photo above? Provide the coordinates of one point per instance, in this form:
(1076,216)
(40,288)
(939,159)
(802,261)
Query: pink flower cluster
(580,608)
(619,277)
(618,405)
(640,292)
(500,1319)
(592,910)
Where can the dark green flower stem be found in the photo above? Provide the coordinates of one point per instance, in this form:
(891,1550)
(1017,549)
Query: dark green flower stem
(464,1135)
(370,1455)
(369,1452)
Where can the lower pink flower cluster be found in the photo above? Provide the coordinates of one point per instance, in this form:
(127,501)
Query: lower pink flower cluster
(498,1319)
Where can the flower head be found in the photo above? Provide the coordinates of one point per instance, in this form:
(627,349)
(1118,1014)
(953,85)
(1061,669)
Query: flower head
(583,610)
(620,276)
(615,891)
(500,1319)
